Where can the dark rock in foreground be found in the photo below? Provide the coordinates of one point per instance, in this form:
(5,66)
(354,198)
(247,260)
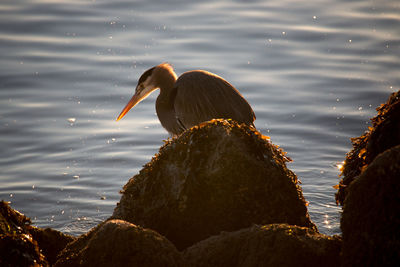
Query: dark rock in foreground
(384,134)
(371,214)
(20,250)
(12,221)
(50,242)
(17,247)
(219,176)
(119,243)
(270,245)
(24,245)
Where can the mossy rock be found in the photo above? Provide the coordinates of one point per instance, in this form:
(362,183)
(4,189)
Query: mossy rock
(17,247)
(51,242)
(267,245)
(384,134)
(218,176)
(119,243)
(22,244)
(371,214)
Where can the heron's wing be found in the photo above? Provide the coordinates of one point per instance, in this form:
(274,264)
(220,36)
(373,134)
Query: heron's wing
(202,96)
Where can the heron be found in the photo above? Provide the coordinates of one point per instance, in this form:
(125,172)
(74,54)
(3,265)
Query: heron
(196,96)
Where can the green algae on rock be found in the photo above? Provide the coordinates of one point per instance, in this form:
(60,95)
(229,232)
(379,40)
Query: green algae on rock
(119,243)
(218,176)
(266,245)
(51,242)
(384,134)
(22,244)
(371,214)
(17,247)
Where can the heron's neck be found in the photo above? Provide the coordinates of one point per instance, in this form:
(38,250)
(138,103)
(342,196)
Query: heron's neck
(165,108)
(166,78)
(166,86)
(167,89)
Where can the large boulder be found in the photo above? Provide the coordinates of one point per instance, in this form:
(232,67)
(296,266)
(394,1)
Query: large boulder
(218,176)
(371,214)
(119,243)
(384,134)
(269,245)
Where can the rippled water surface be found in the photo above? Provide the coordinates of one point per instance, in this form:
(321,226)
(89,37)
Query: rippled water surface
(313,71)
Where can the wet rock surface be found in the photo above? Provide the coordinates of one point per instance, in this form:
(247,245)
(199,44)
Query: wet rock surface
(50,242)
(119,243)
(219,176)
(17,247)
(384,134)
(269,245)
(22,244)
(371,214)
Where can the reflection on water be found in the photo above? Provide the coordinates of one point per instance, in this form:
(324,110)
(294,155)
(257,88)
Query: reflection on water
(312,71)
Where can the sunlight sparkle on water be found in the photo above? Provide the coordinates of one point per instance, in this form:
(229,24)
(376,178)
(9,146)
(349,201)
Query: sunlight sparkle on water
(340,165)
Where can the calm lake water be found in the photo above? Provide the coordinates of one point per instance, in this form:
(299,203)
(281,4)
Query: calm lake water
(313,71)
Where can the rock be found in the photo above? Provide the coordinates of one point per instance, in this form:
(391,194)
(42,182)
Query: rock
(12,220)
(17,247)
(371,214)
(219,176)
(269,245)
(22,244)
(119,243)
(20,250)
(51,242)
(384,134)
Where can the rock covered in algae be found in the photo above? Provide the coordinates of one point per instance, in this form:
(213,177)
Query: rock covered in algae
(17,247)
(24,245)
(384,134)
(50,242)
(269,245)
(371,214)
(119,243)
(218,176)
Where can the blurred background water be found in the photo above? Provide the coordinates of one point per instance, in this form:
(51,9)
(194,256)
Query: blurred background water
(313,71)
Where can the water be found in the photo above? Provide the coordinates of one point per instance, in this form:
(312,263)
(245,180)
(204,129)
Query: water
(312,71)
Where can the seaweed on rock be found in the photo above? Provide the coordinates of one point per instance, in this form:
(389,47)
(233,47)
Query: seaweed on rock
(384,134)
(218,176)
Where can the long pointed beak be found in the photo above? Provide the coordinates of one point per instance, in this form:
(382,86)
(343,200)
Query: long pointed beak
(134,100)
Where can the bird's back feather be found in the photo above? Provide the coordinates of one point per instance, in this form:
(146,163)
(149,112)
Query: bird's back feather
(202,96)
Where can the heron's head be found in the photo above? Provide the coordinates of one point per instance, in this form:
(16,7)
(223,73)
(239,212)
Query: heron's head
(161,76)
(146,85)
